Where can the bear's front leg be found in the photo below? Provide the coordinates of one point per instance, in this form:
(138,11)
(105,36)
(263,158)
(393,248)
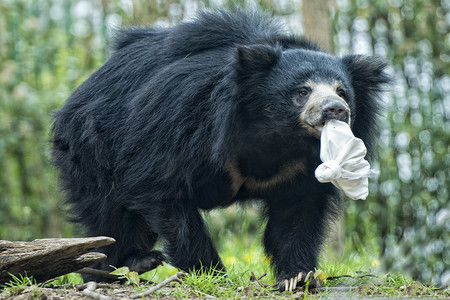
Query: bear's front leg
(294,235)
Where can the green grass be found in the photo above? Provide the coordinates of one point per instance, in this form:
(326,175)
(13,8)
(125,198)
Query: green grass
(360,270)
(17,284)
(363,271)
(240,259)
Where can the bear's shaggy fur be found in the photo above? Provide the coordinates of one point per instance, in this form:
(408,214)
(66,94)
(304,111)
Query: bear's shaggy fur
(221,109)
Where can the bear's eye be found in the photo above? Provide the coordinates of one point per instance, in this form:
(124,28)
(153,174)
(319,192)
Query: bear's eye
(341,93)
(303,92)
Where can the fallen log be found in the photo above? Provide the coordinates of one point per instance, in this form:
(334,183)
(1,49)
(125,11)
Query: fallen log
(45,259)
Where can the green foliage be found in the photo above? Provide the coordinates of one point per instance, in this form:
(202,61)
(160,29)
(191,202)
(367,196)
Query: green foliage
(408,212)
(40,63)
(71,278)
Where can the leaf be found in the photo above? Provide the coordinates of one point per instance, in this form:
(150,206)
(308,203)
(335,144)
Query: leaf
(320,275)
(121,271)
(133,277)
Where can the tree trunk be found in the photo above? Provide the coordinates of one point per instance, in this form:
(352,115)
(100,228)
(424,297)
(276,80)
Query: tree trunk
(317,22)
(45,259)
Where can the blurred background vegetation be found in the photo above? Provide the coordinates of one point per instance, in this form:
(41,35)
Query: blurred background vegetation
(48,47)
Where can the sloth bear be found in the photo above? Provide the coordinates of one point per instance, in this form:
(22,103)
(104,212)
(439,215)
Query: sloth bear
(221,109)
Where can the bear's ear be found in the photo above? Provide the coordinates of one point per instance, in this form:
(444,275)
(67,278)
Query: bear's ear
(367,72)
(369,79)
(258,58)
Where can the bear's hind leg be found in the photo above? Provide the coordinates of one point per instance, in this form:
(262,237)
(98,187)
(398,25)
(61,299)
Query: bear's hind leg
(143,260)
(133,246)
(187,243)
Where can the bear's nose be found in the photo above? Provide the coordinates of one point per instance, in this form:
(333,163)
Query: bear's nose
(335,109)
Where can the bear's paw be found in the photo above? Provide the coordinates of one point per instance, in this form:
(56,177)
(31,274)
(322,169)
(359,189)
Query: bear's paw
(301,279)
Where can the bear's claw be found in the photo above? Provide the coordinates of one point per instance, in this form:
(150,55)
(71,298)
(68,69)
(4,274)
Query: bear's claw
(300,280)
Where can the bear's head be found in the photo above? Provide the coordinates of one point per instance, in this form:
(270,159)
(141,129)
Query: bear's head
(289,93)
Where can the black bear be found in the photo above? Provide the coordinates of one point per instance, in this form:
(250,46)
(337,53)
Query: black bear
(224,108)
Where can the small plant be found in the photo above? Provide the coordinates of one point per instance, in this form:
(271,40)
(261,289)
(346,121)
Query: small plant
(71,278)
(125,273)
(18,284)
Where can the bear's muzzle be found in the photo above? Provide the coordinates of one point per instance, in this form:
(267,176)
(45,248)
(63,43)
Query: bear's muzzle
(335,109)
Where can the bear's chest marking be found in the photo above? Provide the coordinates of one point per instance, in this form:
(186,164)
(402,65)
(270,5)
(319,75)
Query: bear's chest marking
(286,172)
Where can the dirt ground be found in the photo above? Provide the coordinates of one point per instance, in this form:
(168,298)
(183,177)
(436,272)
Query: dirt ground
(113,291)
(118,291)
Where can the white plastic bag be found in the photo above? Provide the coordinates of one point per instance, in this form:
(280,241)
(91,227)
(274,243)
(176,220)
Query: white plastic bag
(343,160)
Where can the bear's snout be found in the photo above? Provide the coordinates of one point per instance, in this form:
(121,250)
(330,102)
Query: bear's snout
(335,110)
(323,104)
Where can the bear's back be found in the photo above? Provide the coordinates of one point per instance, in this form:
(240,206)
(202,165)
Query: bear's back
(211,30)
